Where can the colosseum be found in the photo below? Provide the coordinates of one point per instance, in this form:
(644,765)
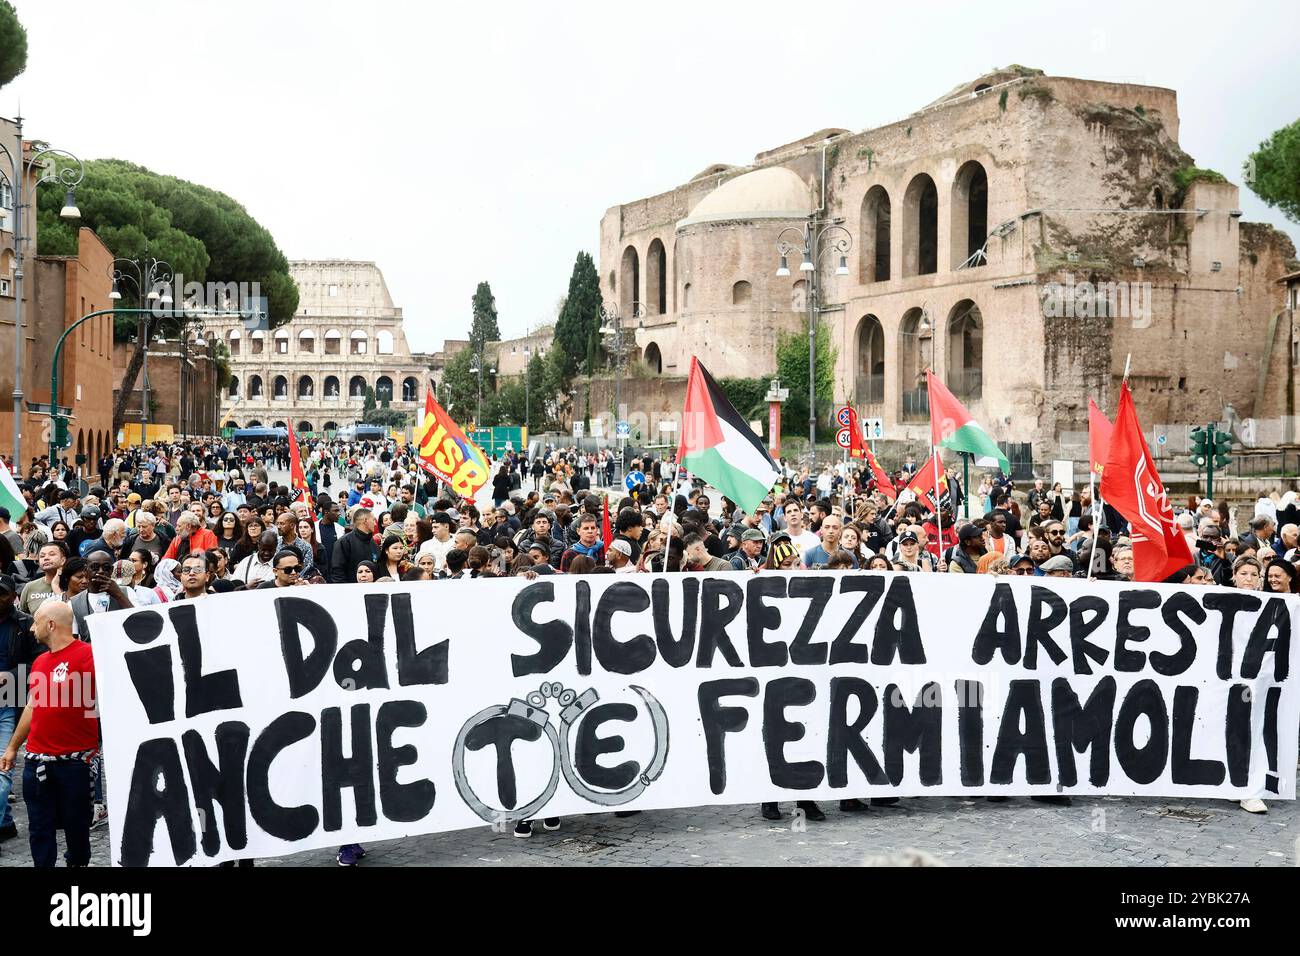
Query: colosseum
(347,336)
(1021,236)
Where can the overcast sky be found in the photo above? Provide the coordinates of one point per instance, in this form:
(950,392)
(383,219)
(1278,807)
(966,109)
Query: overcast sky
(485,142)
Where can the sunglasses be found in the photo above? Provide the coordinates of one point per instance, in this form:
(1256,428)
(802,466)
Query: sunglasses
(291,569)
(1019,570)
(193,570)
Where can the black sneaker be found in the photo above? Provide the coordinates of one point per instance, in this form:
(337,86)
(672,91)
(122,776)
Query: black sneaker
(551,823)
(853,806)
(524,829)
(770,812)
(811,811)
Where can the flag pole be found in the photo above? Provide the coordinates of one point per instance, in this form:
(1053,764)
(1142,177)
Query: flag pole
(1096,513)
(965,481)
(938,505)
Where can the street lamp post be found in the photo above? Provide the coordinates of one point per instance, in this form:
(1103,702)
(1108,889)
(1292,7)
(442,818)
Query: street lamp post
(151,279)
(620,343)
(814,240)
(70,177)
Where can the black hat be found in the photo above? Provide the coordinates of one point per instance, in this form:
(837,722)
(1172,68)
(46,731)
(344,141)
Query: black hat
(969,532)
(908,536)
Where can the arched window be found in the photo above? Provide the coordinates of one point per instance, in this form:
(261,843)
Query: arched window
(280,388)
(306,387)
(629,281)
(740,293)
(686,296)
(356,387)
(966,350)
(653,359)
(921,227)
(384,342)
(307,341)
(234,342)
(255,386)
(970,216)
(331,386)
(279,425)
(871,361)
(799,296)
(331,427)
(333,342)
(234,386)
(656,279)
(915,356)
(253,424)
(281,342)
(304,428)
(81,442)
(258,339)
(383,389)
(232,424)
(873,244)
(357,342)
(410,389)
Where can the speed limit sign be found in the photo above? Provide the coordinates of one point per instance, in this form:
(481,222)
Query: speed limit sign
(844,438)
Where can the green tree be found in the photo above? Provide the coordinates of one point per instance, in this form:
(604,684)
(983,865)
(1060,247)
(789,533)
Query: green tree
(1273,171)
(484,327)
(792,370)
(577,330)
(506,404)
(204,235)
(13,43)
(459,390)
(384,416)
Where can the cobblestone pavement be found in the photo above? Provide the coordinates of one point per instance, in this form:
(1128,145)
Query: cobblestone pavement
(1105,831)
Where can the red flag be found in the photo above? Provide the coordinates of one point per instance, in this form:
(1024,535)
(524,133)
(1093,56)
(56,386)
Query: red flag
(1130,483)
(297,477)
(922,484)
(606,533)
(1099,432)
(883,484)
(856,444)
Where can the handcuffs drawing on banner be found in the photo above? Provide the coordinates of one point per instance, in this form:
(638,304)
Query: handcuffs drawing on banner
(574,706)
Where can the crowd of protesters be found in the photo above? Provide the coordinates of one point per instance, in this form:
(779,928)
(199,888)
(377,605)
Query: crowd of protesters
(185,521)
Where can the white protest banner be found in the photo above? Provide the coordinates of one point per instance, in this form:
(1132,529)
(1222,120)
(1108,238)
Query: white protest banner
(259,724)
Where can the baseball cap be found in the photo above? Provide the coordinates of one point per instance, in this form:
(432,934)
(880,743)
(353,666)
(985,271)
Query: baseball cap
(90,511)
(908,536)
(753,534)
(133,498)
(1020,559)
(622,547)
(969,532)
(1058,563)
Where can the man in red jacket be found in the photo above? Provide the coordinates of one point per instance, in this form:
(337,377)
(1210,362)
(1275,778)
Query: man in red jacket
(191,537)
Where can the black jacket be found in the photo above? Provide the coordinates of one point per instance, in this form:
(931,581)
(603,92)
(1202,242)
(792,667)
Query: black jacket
(349,551)
(23,646)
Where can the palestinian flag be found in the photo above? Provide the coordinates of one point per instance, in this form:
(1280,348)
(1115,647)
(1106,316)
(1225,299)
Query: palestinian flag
(951,426)
(719,446)
(11,495)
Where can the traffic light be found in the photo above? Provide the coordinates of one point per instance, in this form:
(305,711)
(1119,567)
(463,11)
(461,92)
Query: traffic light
(1222,445)
(1200,447)
(61,437)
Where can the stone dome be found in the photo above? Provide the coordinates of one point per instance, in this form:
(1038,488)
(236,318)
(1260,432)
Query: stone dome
(771,193)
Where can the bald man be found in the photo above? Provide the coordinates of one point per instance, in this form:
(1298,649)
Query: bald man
(61,730)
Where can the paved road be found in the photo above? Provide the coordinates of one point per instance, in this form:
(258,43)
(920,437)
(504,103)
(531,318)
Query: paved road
(959,831)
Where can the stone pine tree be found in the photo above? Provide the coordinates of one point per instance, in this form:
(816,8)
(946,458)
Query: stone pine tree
(577,331)
(1273,171)
(484,328)
(13,43)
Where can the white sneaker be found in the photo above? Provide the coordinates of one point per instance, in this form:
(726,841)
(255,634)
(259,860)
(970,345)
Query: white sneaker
(1254,805)
(101,816)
